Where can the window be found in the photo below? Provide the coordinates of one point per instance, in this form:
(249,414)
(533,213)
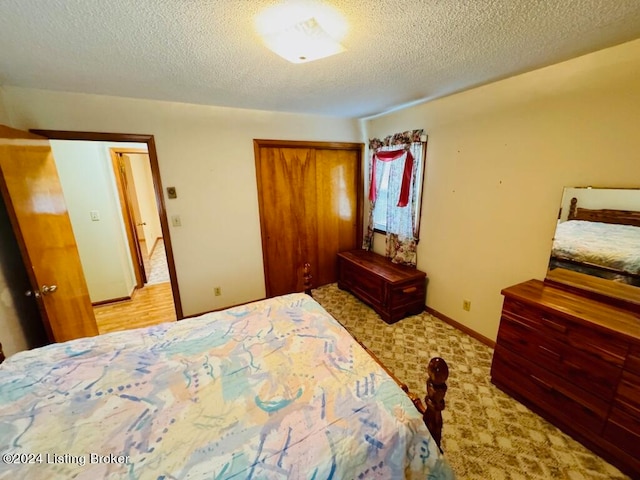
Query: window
(380,209)
(389,176)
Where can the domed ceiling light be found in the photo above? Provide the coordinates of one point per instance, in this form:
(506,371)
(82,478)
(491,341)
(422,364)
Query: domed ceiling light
(302,32)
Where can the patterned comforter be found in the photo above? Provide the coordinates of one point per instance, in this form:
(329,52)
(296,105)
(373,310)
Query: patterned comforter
(271,390)
(608,245)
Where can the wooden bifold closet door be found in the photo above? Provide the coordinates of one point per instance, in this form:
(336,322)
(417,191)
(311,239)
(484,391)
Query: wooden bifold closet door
(310,196)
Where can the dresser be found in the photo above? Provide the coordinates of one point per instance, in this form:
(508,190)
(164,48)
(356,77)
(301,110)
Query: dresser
(393,291)
(573,357)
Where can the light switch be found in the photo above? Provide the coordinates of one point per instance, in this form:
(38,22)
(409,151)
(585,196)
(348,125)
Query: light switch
(171,192)
(95,215)
(175,221)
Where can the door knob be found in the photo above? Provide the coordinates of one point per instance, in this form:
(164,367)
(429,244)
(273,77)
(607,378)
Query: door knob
(36,293)
(141,224)
(45,289)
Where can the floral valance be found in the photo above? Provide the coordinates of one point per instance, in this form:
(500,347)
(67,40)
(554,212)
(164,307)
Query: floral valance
(404,138)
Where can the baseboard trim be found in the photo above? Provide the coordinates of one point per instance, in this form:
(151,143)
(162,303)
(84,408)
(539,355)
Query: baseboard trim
(222,308)
(153,248)
(111,300)
(461,327)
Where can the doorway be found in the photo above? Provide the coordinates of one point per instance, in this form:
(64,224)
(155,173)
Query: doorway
(145,303)
(132,173)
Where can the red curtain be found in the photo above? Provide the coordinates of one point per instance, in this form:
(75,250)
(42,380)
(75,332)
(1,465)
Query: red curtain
(389,156)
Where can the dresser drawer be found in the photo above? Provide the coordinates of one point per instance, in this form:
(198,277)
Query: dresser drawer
(549,392)
(633,360)
(573,355)
(598,344)
(628,396)
(575,366)
(623,430)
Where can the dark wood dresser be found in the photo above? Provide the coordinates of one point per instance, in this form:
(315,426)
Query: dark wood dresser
(574,358)
(393,291)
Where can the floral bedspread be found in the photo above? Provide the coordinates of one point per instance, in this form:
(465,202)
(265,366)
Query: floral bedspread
(271,390)
(609,245)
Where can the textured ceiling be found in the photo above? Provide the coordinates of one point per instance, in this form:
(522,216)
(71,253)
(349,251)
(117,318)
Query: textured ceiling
(207,51)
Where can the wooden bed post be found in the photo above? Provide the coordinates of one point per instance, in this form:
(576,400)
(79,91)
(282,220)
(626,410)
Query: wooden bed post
(438,372)
(572,208)
(306,275)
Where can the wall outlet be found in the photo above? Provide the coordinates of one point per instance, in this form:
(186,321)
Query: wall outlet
(95,215)
(217,291)
(466,305)
(176,221)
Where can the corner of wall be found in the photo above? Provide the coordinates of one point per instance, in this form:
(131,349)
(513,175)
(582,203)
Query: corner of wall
(4,112)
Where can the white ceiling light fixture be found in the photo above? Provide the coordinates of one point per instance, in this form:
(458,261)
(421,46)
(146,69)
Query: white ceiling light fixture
(303,31)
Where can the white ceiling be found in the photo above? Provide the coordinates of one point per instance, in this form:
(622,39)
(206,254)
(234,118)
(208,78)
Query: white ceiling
(207,52)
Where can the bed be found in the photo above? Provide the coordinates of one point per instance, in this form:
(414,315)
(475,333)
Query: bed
(603,242)
(272,389)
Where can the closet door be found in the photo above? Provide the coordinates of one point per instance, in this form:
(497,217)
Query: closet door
(338,196)
(310,198)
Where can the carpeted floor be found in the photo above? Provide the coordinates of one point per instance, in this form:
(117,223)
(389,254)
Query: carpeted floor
(487,435)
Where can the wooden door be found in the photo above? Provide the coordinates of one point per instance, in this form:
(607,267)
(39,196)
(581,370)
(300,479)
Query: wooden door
(129,207)
(135,205)
(33,195)
(339,192)
(310,197)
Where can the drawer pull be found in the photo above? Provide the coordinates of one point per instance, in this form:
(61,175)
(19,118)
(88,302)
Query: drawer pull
(554,325)
(541,383)
(410,290)
(551,353)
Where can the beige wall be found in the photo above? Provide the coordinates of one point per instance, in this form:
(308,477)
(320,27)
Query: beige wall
(207,154)
(498,159)
(4,116)
(88,183)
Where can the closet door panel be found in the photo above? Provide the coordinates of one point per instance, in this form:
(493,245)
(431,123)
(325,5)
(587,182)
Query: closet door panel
(337,181)
(286,214)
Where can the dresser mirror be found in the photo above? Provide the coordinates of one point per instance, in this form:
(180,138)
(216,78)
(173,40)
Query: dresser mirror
(597,240)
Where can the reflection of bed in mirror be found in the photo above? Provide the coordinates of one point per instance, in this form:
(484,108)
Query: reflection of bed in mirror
(600,242)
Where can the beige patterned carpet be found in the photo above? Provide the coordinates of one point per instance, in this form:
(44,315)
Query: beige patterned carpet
(487,434)
(158,261)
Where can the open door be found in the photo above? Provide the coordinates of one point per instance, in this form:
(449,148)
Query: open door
(33,195)
(138,221)
(131,214)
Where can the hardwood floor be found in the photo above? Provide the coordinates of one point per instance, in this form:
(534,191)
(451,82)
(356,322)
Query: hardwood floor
(150,305)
